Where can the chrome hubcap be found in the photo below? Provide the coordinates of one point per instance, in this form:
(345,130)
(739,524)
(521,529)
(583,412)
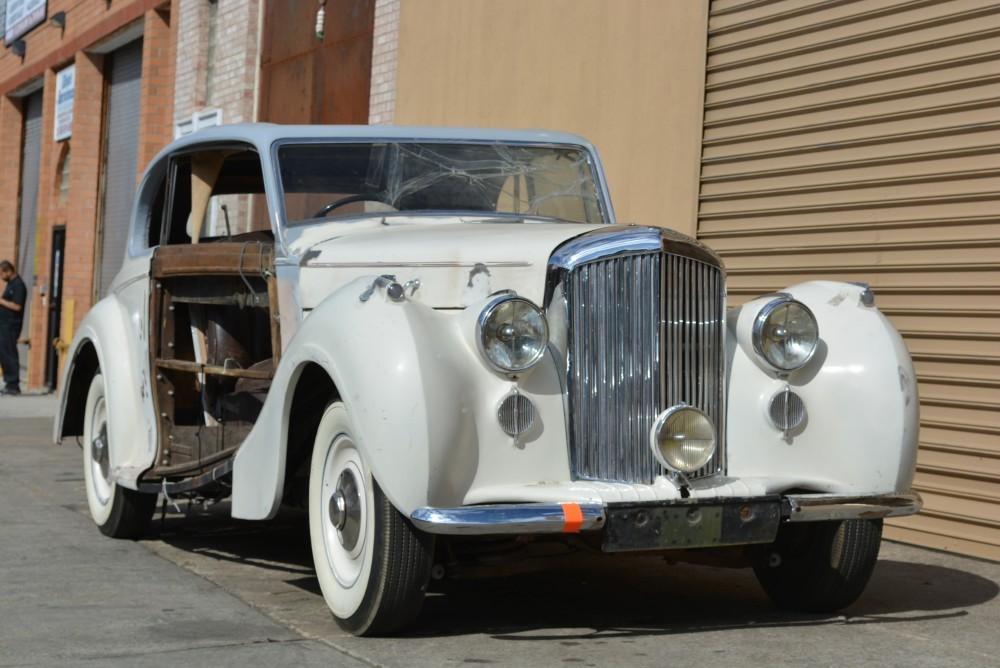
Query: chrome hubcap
(99,451)
(345,510)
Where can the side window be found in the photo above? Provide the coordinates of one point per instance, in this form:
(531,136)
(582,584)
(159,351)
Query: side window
(216,195)
(179,208)
(154,218)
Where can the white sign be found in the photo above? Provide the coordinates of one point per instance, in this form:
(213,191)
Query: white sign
(65,90)
(22,16)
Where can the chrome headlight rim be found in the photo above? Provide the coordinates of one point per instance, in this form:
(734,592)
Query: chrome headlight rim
(660,423)
(482,328)
(760,322)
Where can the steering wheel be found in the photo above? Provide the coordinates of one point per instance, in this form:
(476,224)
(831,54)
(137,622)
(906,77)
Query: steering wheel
(363,197)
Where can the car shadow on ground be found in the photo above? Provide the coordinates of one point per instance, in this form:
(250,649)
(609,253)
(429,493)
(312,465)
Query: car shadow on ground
(645,596)
(597,594)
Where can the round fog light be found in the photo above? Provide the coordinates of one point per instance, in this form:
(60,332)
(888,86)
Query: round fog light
(683,439)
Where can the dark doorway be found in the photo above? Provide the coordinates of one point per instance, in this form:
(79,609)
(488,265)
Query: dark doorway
(55,306)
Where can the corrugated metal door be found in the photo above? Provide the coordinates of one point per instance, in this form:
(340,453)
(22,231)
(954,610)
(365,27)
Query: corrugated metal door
(122,156)
(28,215)
(861,140)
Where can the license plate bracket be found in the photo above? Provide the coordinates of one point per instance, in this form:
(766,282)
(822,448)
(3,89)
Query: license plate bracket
(691,524)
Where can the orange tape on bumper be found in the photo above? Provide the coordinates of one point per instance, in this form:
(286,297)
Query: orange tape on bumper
(573,516)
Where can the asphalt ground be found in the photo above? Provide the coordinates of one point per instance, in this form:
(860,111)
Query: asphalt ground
(203,589)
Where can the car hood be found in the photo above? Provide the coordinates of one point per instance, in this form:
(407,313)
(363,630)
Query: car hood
(456,263)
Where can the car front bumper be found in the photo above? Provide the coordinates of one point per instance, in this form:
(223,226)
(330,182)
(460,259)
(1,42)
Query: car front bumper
(679,524)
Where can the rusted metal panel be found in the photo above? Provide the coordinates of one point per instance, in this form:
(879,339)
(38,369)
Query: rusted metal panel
(213,259)
(305,79)
(860,141)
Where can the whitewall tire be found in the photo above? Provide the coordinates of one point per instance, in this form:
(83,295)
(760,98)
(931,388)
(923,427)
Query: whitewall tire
(118,512)
(372,564)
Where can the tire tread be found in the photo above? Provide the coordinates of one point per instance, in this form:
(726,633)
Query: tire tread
(832,570)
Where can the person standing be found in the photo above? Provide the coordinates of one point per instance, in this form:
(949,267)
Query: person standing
(11,317)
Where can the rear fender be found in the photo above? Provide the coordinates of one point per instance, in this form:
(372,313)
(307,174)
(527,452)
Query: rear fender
(107,335)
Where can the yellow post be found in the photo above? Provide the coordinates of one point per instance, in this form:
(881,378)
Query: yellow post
(66,329)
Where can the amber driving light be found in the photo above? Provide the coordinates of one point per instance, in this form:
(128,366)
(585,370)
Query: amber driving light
(683,439)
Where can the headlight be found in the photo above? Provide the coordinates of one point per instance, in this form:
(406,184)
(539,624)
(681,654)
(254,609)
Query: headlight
(683,439)
(785,334)
(512,334)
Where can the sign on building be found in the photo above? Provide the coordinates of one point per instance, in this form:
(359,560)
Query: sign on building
(65,90)
(22,16)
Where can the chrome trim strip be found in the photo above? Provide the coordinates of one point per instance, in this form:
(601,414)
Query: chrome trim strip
(821,507)
(626,239)
(511,518)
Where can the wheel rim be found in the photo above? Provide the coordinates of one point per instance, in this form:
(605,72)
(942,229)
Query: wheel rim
(345,511)
(100,469)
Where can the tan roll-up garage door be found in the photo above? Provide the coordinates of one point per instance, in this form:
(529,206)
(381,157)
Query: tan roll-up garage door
(860,140)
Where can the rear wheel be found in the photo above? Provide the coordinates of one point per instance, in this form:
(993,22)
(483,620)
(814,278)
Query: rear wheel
(821,566)
(118,512)
(372,564)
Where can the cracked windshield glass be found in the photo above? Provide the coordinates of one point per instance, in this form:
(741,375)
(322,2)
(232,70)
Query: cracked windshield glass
(322,181)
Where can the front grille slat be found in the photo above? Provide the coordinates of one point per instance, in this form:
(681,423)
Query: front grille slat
(645,335)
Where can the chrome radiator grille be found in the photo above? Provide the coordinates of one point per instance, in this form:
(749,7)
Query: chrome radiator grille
(646,333)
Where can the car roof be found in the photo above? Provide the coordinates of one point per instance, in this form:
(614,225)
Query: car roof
(265,134)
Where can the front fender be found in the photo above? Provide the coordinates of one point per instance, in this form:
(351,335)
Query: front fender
(108,334)
(407,401)
(860,396)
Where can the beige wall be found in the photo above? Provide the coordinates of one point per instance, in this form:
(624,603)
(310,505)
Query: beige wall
(628,75)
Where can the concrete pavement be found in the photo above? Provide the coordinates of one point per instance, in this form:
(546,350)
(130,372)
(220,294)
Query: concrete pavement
(71,597)
(207,589)
(29,404)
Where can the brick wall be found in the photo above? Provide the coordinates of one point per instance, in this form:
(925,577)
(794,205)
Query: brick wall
(226,78)
(156,108)
(382,103)
(80,212)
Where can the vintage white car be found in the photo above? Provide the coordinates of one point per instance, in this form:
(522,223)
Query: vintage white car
(443,343)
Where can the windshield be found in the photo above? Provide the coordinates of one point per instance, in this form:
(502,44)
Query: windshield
(336,179)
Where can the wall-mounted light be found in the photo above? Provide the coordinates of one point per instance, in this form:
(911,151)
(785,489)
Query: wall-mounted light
(18,46)
(58,20)
(321,19)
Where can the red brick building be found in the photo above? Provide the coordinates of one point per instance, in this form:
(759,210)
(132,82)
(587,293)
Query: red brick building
(64,202)
(141,72)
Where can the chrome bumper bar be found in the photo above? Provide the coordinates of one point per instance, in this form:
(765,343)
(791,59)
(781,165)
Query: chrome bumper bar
(511,518)
(520,518)
(819,507)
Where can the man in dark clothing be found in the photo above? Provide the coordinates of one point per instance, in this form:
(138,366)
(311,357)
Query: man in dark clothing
(11,317)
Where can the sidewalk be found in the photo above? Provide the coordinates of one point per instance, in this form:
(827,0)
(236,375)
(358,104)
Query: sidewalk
(28,405)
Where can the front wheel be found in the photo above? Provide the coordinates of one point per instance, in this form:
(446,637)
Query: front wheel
(821,566)
(118,512)
(372,564)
